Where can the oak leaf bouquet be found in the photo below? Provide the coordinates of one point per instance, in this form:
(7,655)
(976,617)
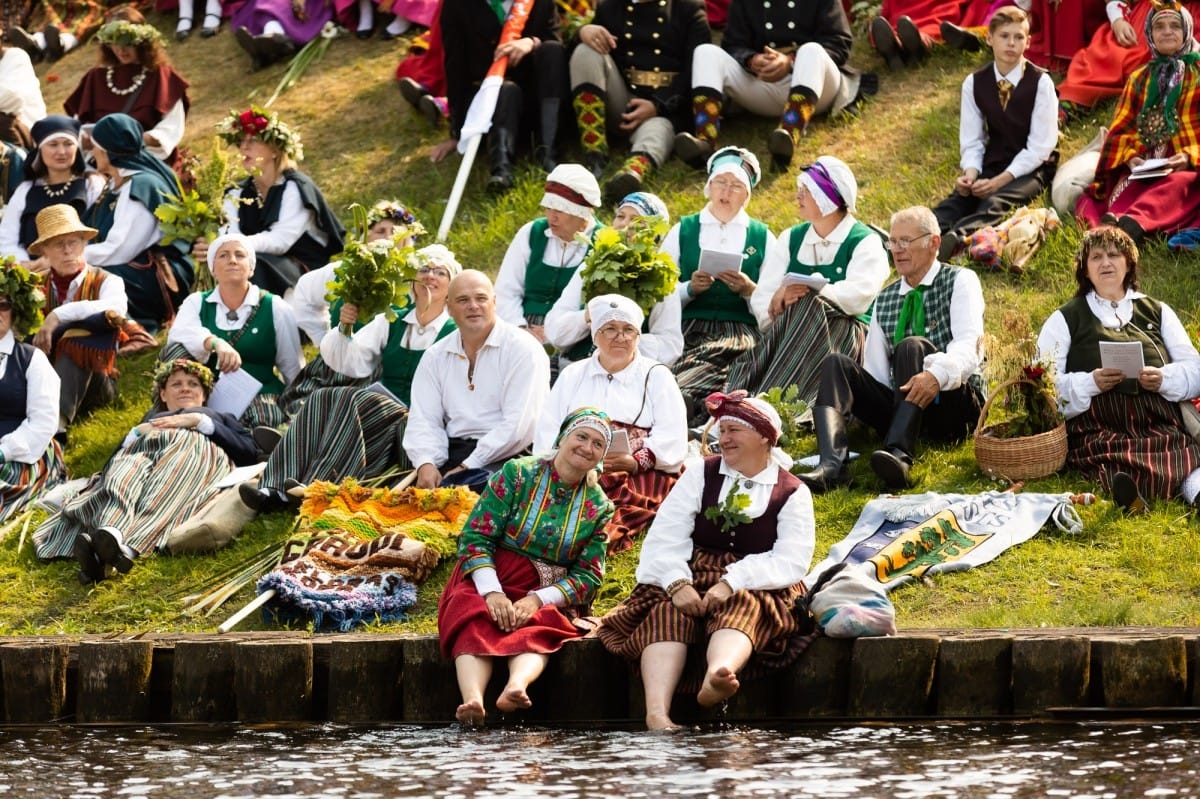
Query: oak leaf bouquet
(628,262)
(375,276)
(198,212)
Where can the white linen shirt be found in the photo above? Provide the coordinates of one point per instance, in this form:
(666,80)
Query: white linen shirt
(28,443)
(168,132)
(1181,377)
(853,293)
(134,229)
(962,357)
(510,280)
(111,298)
(188,331)
(621,395)
(668,550)
(360,355)
(511,381)
(714,235)
(1043,127)
(294,221)
(567,324)
(10,220)
(16,73)
(308,302)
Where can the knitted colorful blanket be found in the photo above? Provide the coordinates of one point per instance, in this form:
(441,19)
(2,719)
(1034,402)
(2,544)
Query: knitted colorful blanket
(361,553)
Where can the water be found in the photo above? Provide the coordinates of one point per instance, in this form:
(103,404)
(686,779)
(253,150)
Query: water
(1080,760)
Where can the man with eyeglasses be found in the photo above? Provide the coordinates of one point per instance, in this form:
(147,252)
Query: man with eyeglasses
(921,366)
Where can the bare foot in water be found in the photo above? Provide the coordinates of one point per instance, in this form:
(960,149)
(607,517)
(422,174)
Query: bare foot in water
(470,713)
(718,686)
(513,699)
(663,722)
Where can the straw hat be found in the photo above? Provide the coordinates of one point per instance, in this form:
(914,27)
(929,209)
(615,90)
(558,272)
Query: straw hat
(58,220)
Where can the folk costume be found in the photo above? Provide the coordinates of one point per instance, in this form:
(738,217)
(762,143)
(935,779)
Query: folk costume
(18,224)
(529,532)
(718,325)
(763,557)
(832,319)
(568,330)
(1126,429)
(270,30)
(1157,116)
(156,277)
(652,61)
(1061,28)
(641,399)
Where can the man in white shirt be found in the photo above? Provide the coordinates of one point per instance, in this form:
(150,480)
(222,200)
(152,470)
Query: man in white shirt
(923,349)
(477,394)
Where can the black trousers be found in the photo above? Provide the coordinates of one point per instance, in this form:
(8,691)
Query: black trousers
(965,215)
(542,76)
(848,387)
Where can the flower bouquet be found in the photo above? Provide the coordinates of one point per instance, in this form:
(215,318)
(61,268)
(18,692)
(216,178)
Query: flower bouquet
(198,212)
(1031,441)
(628,262)
(375,276)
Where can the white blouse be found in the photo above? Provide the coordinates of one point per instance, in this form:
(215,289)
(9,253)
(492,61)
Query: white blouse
(28,443)
(360,355)
(510,280)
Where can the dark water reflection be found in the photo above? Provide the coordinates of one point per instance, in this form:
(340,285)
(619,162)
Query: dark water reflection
(935,760)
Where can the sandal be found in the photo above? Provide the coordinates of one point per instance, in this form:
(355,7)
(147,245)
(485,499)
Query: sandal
(210,31)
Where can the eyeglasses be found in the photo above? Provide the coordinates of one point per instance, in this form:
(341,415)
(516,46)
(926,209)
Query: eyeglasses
(900,245)
(5,305)
(614,333)
(727,185)
(433,270)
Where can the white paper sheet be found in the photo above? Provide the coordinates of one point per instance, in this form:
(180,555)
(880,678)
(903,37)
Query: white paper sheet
(715,262)
(240,475)
(234,392)
(815,281)
(1124,355)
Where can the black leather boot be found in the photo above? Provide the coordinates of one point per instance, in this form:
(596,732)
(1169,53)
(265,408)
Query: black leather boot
(500,158)
(893,461)
(830,426)
(546,152)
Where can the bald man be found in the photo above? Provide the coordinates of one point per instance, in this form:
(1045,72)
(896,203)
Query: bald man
(477,394)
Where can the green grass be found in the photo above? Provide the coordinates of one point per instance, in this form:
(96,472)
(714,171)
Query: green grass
(363,142)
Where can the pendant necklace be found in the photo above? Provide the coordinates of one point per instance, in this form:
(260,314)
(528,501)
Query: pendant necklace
(60,191)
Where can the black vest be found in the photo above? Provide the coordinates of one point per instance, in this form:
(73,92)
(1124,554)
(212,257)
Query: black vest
(36,199)
(1007,128)
(14,388)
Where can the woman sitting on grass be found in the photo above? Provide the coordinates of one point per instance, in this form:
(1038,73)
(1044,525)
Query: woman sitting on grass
(162,473)
(720,571)
(1126,433)
(531,556)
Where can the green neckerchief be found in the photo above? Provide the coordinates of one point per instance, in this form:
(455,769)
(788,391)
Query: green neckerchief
(911,313)
(1157,72)
(498,8)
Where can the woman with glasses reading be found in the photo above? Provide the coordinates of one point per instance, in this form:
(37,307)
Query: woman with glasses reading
(816,288)
(348,431)
(719,251)
(647,412)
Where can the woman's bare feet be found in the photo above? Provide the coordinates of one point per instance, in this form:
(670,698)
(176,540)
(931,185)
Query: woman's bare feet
(513,698)
(660,722)
(470,713)
(718,686)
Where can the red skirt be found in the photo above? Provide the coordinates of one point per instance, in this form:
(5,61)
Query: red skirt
(466,628)
(928,15)
(1100,69)
(1159,205)
(427,65)
(1062,28)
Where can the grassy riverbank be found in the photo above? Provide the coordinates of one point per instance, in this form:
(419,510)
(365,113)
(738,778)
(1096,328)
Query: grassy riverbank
(363,142)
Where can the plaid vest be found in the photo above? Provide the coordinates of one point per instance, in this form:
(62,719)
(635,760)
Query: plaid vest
(937,309)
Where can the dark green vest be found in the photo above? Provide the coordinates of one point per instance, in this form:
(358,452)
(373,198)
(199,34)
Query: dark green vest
(544,283)
(834,271)
(256,345)
(399,363)
(1086,334)
(719,302)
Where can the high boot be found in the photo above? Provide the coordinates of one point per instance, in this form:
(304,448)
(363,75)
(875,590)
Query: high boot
(500,148)
(830,427)
(895,459)
(588,102)
(546,153)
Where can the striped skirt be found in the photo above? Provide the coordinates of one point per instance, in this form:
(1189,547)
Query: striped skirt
(636,498)
(315,375)
(22,482)
(339,433)
(264,410)
(709,347)
(145,491)
(1141,434)
(794,346)
(766,617)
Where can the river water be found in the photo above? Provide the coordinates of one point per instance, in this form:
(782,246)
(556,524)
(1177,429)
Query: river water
(1130,759)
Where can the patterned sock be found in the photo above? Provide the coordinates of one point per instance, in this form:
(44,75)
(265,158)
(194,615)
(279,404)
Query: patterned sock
(639,164)
(706,110)
(588,102)
(801,104)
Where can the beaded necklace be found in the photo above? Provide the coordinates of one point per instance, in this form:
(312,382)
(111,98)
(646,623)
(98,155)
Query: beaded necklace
(138,80)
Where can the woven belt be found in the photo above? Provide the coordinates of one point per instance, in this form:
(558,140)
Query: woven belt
(646,77)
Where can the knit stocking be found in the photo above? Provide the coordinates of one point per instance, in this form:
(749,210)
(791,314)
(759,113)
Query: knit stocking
(589,104)
(801,104)
(706,110)
(639,164)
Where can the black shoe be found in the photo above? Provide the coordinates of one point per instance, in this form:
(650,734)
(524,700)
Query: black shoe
(782,146)
(911,41)
(951,242)
(411,91)
(892,467)
(267,438)
(289,485)
(595,163)
(209,32)
(887,44)
(181,34)
(692,151)
(1126,495)
(261,500)
(54,45)
(111,551)
(91,570)
(19,37)
(1132,228)
(364,34)
(868,86)
(247,42)
(1109,218)
(960,38)
(622,185)
(431,110)
(274,47)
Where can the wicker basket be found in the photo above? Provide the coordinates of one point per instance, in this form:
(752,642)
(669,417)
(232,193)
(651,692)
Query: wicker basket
(1020,458)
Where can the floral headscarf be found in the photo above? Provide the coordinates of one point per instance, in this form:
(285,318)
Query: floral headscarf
(589,417)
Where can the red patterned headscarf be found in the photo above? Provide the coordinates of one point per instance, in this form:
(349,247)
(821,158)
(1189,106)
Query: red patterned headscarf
(738,406)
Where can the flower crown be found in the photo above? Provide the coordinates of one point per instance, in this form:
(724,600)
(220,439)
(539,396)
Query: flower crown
(164,370)
(389,209)
(22,289)
(263,125)
(124,33)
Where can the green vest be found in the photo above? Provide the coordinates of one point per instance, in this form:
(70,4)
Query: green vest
(719,303)
(544,283)
(1086,334)
(836,270)
(256,345)
(399,363)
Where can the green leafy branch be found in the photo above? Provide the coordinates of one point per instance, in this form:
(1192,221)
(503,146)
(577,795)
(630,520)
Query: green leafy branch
(628,262)
(731,512)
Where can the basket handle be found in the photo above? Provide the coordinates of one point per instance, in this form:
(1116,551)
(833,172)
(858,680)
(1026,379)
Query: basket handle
(1000,391)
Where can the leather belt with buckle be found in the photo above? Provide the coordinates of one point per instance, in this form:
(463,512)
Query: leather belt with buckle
(649,78)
